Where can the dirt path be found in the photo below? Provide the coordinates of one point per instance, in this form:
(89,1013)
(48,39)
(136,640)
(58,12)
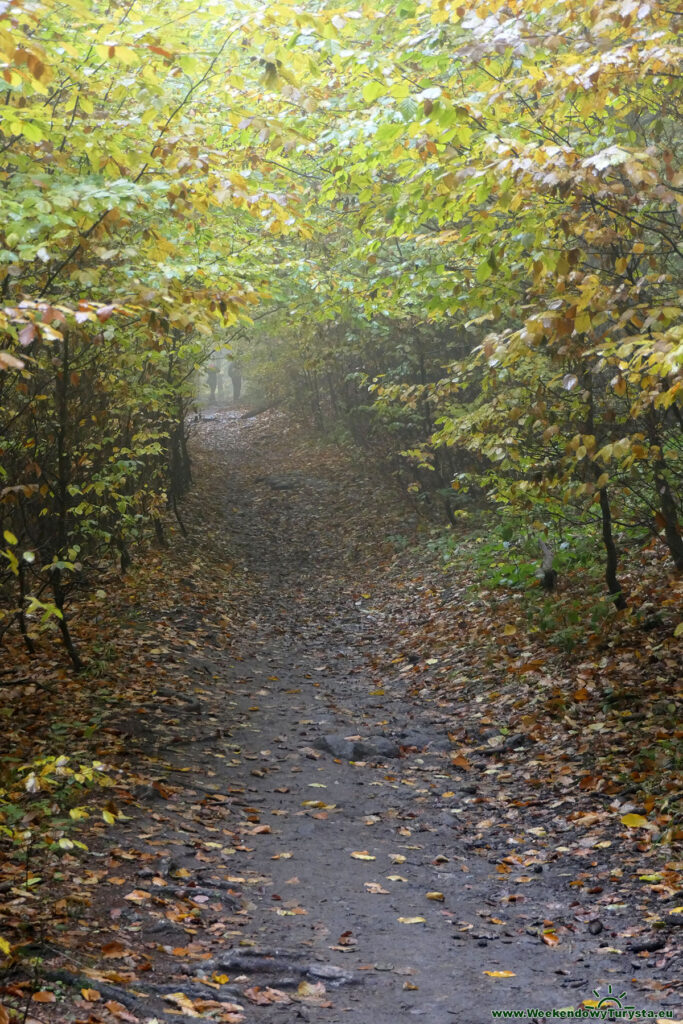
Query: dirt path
(308,849)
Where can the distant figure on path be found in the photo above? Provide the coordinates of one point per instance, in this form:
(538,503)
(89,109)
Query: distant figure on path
(235,375)
(212,380)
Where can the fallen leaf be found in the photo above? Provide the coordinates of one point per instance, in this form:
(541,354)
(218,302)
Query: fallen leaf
(312,993)
(375,887)
(265,996)
(460,761)
(635,821)
(137,896)
(183,1002)
(114,950)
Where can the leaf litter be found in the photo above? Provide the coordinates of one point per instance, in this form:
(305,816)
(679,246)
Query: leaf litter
(535,840)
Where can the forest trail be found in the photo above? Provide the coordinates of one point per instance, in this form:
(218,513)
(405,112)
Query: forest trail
(302,844)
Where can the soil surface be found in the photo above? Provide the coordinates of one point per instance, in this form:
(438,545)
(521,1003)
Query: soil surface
(303,844)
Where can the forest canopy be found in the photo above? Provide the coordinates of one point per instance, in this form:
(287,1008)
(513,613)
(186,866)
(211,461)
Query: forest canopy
(451,227)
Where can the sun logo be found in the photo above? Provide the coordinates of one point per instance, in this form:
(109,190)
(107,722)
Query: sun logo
(610,1000)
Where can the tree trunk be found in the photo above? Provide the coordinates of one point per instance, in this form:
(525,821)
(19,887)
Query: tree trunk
(669,512)
(613,585)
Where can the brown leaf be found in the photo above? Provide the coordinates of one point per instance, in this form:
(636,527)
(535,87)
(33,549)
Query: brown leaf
(120,1012)
(460,761)
(265,996)
(114,950)
(27,334)
(44,997)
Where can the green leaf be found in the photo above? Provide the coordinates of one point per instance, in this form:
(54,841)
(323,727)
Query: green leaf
(373,90)
(483,271)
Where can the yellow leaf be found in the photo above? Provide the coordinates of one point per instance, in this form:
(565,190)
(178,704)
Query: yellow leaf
(109,817)
(311,991)
(397,858)
(413,920)
(362,855)
(510,629)
(635,821)
(137,896)
(183,1002)
(91,994)
(438,896)
(500,974)
(5,946)
(582,322)
(126,55)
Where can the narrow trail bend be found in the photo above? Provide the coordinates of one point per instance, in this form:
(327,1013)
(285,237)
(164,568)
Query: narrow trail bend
(306,849)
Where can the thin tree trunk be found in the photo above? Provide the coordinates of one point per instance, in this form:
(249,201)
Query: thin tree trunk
(59,595)
(668,509)
(613,585)
(667,503)
(21,610)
